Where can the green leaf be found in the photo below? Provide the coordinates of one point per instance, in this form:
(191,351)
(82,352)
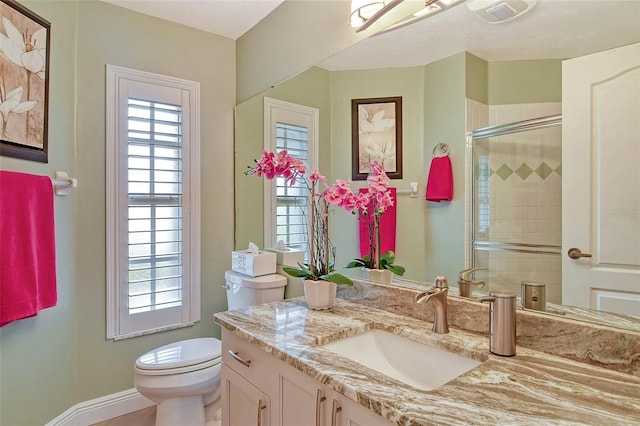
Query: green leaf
(297,272)
(356,263)
(337,278)
(396,269)
(388,257)
(367,261)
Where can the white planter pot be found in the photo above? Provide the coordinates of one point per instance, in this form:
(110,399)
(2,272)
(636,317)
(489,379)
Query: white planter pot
(319,294)
(379,275)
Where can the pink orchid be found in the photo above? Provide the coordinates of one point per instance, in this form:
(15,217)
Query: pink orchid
(317,177)
(272,165)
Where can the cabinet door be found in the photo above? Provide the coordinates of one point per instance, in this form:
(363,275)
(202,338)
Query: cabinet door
(353,414)
(242,403)
(302,402)
(305,401)
(345,412)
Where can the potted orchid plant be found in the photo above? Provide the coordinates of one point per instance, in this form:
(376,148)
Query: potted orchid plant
(370,206)
(318,274)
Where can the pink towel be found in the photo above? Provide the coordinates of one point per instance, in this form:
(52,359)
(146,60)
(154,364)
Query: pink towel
(387,228)
(440,181)
(27,246)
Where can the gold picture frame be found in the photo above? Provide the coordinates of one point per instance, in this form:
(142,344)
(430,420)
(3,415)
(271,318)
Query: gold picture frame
(24,82)
(376,127)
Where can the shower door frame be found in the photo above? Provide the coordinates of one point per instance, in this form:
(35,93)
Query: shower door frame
(499,130)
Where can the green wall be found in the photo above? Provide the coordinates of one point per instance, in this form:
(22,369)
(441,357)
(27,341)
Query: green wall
(405,82)
(62,357)
(444,113)
(477,78)
(515,82)
(37,355)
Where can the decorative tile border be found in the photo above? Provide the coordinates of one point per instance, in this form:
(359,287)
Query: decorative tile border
(524,171)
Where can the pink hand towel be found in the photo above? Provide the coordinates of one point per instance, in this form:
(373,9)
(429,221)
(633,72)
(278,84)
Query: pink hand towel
(27,246)
(440,181)
(387,228)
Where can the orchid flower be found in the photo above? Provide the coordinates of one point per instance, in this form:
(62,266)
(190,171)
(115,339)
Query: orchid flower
(378,197)
(317,177)
(321,252)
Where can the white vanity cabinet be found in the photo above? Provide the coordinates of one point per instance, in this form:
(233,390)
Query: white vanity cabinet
(243,403)
(259,389)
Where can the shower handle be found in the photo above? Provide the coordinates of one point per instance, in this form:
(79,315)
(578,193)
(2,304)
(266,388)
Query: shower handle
(576,253)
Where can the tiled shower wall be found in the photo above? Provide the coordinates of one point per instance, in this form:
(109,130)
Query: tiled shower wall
(519,199)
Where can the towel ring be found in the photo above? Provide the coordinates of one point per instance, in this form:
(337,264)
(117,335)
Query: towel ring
(443,148)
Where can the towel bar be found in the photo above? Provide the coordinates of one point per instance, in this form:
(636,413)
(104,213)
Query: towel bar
(62,183)
(412,191)
(442,147)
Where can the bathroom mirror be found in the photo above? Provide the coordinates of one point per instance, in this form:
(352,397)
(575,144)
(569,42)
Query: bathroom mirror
(335,81)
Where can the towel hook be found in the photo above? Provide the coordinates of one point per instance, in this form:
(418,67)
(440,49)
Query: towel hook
(443,148)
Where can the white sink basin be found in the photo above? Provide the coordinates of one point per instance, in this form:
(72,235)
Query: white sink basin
(416,364)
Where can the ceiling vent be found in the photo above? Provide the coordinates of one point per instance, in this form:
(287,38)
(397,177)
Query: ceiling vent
(498,11)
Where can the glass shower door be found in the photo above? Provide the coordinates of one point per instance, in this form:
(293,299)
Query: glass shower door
(517,211)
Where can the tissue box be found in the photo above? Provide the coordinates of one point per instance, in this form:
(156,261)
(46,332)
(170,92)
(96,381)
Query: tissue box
(287,257)
(254,265)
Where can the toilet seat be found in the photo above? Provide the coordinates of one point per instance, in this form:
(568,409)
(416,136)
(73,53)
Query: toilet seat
(180,357)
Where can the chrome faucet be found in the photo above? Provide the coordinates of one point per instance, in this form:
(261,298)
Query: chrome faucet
(437,293)
(464,283)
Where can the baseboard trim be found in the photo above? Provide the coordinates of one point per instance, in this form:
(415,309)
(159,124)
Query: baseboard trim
(101,409)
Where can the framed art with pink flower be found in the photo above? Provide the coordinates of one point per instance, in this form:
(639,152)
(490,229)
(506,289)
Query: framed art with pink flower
(24,82)
(376,128)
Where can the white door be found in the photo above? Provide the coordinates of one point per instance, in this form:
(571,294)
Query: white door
(601,180)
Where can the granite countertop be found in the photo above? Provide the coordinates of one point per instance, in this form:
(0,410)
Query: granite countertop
(530,388)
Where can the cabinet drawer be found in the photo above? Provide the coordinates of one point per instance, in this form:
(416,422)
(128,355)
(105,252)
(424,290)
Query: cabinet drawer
(251,362)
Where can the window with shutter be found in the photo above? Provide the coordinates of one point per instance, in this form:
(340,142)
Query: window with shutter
(293,128)
(291,200)
(153,281)
(155,205)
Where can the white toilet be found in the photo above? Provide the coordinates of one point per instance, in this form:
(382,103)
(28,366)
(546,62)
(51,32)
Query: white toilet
(183,378)
(243,290)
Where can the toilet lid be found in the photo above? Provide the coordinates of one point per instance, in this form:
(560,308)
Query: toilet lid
(181,354)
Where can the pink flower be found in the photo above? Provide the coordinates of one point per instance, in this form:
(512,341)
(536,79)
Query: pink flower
(376,168)
(341,195)
(271,165)
(383,201)
(317,177)
(362,202)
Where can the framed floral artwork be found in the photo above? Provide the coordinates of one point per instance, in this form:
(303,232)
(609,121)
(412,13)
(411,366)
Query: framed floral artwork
(24,82)
(376,128)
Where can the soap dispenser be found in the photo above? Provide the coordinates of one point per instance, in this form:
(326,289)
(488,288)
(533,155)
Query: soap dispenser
(502,323)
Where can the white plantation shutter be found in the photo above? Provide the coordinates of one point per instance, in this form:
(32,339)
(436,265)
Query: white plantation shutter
(294,128)
(155,205)
(153,219)
(292,200)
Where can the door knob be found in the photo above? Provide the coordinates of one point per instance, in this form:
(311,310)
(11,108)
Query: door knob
(576,253)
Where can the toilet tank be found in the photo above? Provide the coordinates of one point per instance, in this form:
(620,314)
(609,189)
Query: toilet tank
(243,290)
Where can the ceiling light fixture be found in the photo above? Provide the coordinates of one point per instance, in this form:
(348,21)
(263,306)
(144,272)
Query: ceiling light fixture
(431,7)
(365,12)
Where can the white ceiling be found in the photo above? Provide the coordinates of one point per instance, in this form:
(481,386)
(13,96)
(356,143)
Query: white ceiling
(228,18)
(552,29)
